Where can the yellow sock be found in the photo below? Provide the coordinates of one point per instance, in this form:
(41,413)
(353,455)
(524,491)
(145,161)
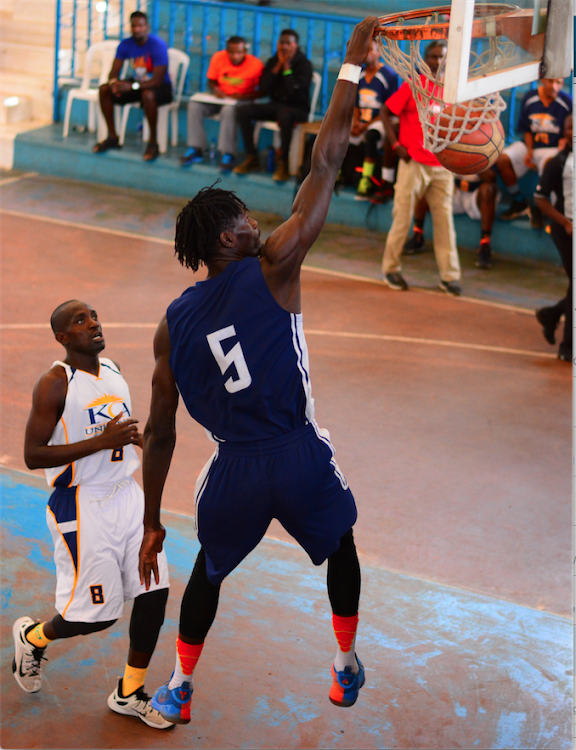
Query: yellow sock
(368,168)
(36,636)
(132,680)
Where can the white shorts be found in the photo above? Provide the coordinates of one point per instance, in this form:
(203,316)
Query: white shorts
(97,531)
(517,153)
(466,203)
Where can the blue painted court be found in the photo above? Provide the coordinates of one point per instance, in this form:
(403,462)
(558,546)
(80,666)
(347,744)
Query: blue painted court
(267,658)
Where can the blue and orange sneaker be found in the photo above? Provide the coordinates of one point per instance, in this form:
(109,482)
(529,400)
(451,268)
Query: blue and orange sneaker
(174,705)
(346,685)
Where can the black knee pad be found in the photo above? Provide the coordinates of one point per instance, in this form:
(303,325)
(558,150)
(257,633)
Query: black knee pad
(66,629)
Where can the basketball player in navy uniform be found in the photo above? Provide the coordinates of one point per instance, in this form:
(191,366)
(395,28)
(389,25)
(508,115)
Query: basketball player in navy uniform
(233,347)
(80,430)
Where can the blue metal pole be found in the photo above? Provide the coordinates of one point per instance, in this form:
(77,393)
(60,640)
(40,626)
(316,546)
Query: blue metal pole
(74,12)
(222,39)
(89,25)
(155,16)
(309,38)
(257,33)
(172,25)
(325,65)
(121,20)
(204,48)
(55,113)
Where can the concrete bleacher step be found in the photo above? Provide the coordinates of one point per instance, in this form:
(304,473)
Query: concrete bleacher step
(45,150)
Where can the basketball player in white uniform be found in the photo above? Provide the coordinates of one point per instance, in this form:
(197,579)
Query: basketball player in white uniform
(81,432)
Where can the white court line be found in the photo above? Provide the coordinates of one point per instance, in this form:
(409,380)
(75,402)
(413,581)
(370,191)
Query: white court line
(433,342)
(370,280)
(159,240)
(340,334)
(89,227)
(10,180)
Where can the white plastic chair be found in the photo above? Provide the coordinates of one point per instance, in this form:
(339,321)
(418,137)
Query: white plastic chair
(294,156)
(104,53)
(178,63)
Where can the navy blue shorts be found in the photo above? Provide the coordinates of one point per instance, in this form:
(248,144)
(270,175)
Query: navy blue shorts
(293,478)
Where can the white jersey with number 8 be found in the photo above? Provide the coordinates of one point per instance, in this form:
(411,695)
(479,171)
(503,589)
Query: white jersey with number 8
(91,402)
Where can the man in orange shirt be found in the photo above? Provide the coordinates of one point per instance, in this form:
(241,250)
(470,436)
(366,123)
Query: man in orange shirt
(232,74)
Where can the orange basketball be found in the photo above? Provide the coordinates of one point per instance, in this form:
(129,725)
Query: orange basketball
(475,151)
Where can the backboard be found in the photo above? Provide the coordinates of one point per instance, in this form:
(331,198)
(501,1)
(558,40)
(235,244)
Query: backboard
(489,52)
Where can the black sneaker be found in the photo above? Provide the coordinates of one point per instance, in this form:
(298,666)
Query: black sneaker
(549,323)
(452,288)
(565,353)
(415,244)
(483,260)
(515,210)
(396,281)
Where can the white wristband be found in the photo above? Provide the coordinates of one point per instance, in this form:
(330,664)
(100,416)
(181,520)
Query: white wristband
(349,72)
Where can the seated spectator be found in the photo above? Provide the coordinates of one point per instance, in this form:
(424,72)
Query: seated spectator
(232,74)
(286,80)
(377,83)
(474,195)
(419,175)
(149,83)
(556,184)
(542,116)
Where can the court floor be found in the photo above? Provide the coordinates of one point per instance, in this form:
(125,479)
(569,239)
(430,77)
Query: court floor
(452,422)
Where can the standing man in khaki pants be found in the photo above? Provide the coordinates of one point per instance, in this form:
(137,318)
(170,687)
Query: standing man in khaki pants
(419,174)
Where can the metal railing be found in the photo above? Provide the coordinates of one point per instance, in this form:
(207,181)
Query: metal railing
(199,28)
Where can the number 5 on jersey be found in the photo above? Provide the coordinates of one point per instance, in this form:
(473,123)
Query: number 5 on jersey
(235,356)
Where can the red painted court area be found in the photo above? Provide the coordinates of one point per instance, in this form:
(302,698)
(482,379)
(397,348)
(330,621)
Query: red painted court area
(451,418)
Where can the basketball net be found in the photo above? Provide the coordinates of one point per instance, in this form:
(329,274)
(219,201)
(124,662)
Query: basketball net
(459,119)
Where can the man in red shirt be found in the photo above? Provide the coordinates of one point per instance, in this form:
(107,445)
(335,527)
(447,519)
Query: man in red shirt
(232,74)
(419,174)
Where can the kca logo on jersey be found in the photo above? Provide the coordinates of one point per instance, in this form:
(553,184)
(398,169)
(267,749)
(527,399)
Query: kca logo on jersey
(102,410)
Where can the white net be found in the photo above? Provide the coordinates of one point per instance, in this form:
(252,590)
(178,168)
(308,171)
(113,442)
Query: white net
(442,124)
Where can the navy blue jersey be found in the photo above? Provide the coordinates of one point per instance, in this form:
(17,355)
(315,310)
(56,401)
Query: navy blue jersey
(239,360)
(545,123)
(371,96)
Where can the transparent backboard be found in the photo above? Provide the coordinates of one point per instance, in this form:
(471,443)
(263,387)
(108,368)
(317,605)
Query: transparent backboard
(492,47)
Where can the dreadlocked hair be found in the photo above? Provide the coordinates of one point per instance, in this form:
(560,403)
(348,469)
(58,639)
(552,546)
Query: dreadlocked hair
(200,222)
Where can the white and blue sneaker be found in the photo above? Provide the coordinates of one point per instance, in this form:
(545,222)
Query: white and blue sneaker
(346,685)
(174,705)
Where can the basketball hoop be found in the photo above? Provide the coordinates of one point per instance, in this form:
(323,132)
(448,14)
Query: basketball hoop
(442,126)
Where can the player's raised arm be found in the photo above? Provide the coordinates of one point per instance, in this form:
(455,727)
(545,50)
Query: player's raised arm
(159,442)
(286,248)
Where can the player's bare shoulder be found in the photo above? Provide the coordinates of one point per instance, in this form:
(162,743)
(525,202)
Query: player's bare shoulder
(52,386)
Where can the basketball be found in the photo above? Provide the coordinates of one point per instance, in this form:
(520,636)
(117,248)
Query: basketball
(475,151)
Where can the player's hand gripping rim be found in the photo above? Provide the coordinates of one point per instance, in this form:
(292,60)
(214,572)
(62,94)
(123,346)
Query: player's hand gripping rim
(148,557)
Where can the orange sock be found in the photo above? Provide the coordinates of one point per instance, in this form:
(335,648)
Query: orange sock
(187,654)
(345,630)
